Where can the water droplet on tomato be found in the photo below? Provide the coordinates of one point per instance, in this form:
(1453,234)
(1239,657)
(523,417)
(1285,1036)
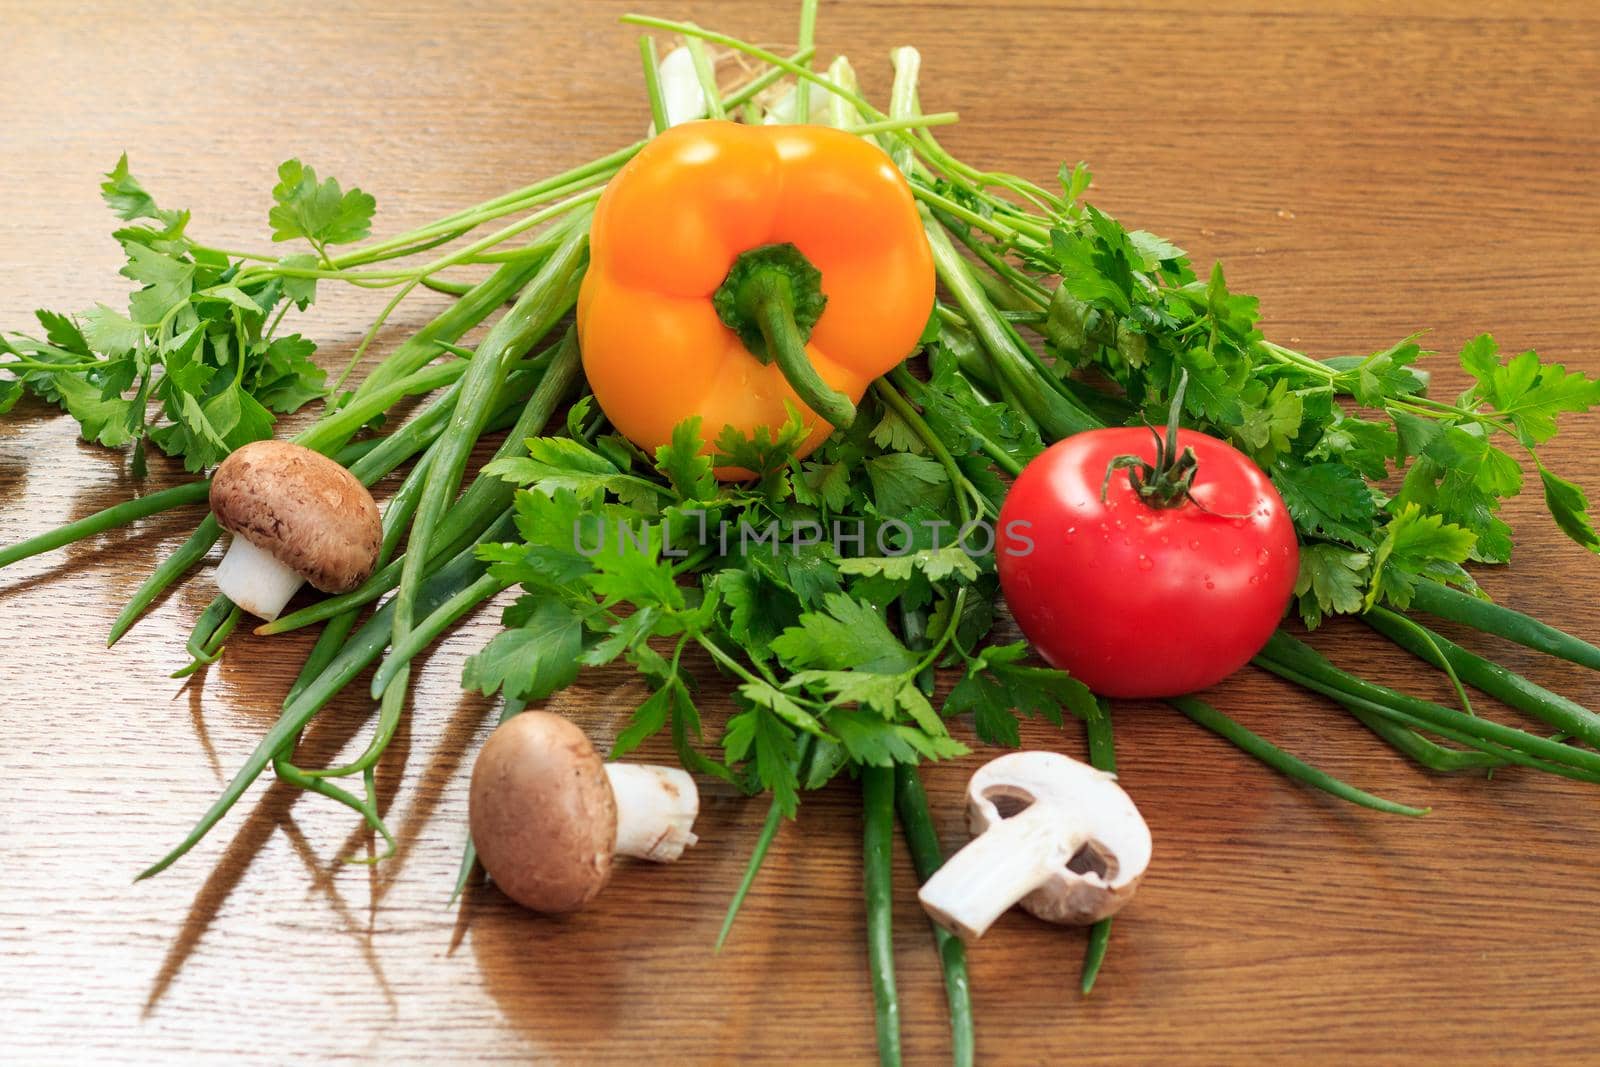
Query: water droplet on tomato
(1236,550)
(1145,562)
(1211,585)
(1263,557)
(1165,539)
(1071,530)
(1195,544)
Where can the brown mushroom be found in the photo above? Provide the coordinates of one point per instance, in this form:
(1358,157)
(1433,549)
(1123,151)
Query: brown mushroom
(295,516)
(1054,834)
(547,814)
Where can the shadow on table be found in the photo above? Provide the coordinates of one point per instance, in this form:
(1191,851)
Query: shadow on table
(562,1004)
(324,740)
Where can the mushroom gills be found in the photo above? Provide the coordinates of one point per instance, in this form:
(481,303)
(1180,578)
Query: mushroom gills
(656,809)
(255,580)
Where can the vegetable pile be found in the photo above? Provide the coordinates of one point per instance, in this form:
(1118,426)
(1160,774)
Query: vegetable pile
(746,462)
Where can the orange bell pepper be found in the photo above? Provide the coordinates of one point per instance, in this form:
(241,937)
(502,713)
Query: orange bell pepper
(736,269)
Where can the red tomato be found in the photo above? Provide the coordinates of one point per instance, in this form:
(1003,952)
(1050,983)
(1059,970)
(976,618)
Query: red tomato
(1142,601)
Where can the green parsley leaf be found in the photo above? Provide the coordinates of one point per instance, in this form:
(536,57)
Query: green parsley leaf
(1570,507)
(901,481)
(847,634)
(531,661)
(685,464)
(1327,499)
(320,212)
(1334,578)
(1416,545)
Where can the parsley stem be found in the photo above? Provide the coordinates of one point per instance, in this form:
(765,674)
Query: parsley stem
(1025,287)
(808,36)
(769,831)
(451,325)
(651,62)
(29,365)
(706,74)
(999,456)
(372,331)
(758,854)
(877,847)
(1052,206)
(734,666)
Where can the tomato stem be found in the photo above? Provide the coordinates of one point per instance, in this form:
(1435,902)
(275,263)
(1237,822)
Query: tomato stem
(772,298)
(1167,482)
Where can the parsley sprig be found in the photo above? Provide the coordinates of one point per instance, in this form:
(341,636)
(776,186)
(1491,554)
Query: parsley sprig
(643,559)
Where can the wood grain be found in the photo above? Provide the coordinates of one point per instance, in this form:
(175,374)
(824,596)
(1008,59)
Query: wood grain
(1368,168)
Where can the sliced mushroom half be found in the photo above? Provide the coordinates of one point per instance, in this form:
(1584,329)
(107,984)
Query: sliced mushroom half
(1053,834)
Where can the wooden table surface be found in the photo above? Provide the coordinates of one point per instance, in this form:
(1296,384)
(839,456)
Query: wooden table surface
(1368,168)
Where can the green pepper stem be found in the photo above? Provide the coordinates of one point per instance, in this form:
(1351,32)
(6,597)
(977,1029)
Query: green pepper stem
(788,351)
(772,297)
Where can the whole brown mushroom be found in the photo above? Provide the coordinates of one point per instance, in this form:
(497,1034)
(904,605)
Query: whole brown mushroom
(548,814)
(295,516)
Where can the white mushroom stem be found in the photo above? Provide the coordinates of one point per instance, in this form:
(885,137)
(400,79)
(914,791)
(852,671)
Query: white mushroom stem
(656,809)
(1002,865)
(256,581)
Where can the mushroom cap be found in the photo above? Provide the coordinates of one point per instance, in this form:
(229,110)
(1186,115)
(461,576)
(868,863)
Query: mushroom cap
(1105,871)
(301,508)
(543,817)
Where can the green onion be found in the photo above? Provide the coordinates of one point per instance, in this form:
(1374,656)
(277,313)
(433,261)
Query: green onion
(110,519)
(916,824)
(1504,685)
(877,843)
(1103,755)
(1456,606)
(1283,762)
